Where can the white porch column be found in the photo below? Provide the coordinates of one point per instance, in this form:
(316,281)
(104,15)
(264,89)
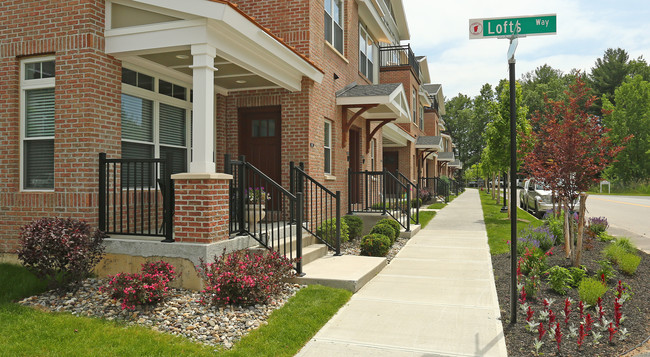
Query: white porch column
(203,107)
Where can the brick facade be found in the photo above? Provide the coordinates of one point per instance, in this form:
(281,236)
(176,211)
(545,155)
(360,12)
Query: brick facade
(87,103)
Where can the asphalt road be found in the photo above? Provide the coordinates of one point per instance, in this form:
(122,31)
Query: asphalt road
(628,216)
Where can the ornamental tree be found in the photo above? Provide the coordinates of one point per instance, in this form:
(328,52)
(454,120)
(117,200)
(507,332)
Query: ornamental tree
(570,147)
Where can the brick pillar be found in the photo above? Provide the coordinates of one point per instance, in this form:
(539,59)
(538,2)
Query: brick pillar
(201,210)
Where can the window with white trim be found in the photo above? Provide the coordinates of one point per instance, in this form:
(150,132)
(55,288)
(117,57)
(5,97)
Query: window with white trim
(37,80)
(334,23)
(156,119)
(327,147)
(366,53)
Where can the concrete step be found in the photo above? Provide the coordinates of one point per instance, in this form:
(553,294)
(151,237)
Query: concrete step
(347,272)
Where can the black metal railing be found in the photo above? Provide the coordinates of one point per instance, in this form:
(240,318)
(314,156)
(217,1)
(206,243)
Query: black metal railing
(379,192)
(262,209)
(415,190)
(136,197)
(322,207)
(439,187)
(397,56)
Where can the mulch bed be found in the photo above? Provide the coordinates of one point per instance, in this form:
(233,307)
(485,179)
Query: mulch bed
(520,342)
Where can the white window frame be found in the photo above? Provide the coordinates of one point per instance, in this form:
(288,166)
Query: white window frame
(327,147)
(414,102)
(421,117)
(333,23)
(25,85)
(158,99)
(367,48)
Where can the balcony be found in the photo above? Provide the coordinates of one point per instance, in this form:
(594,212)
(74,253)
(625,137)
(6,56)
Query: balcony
(398,56)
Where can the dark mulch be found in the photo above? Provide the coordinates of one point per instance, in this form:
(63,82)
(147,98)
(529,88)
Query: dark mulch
(519,341)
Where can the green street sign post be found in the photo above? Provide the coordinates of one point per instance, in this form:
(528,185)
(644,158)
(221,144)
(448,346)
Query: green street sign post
(506,27)
(512,28)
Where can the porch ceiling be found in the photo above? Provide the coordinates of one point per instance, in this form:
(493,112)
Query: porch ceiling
(393,136)
(159,34)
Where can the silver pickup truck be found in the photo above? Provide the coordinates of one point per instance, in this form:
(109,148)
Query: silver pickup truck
(536,198)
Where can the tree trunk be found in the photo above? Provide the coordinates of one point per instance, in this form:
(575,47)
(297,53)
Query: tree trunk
(494,187)
(581,229)
(567,231)
(498,189)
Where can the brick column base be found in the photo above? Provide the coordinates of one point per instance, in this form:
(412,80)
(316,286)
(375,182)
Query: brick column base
(201,209)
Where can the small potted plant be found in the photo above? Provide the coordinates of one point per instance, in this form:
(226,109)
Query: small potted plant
(255,208)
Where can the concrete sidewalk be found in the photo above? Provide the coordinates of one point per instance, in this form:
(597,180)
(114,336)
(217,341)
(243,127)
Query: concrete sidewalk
(436,298)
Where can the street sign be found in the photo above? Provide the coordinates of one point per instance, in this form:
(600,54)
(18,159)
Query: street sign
(505,27)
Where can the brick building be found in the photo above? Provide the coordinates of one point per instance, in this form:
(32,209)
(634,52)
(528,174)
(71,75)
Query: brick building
(325,83)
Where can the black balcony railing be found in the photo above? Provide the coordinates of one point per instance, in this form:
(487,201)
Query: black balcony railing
(398,56)
(415,194)
(322,207)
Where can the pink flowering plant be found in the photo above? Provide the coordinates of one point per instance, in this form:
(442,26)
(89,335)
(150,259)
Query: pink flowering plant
(148,288)
(244,278)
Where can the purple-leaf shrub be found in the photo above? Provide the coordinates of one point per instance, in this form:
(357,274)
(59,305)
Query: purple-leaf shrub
(148,288)
(60,251)
(598,224)
(244,278)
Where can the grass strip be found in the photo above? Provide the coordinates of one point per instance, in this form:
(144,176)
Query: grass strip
(297,322)
(425,217)
(437,205)
(497,224)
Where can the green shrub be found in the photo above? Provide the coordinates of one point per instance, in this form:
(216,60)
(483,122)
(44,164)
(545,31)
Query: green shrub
(576,275)
(416,202)
(393,223)
(560,279)
(327,231)
(612,252)
(605,237)
(597,224)
(626,245)
(355,226)
(375,245)
(385,229)
(380,206)
(605,270)
(628,263)
(590,290)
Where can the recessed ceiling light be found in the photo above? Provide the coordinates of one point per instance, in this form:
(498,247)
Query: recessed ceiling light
(240,81)
(182,56)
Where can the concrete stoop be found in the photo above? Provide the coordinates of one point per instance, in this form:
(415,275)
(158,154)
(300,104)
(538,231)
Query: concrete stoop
(415,228)
(347,272)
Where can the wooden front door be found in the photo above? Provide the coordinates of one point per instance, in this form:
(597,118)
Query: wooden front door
(355,165)
(259,139)
(391,162)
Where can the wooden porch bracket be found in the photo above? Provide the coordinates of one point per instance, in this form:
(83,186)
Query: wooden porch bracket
(347,124)
(382,122)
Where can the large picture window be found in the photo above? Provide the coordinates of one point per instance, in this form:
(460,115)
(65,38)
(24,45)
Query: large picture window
(327,147)
(156,119)
(334,23)
(37,81)
(366,53)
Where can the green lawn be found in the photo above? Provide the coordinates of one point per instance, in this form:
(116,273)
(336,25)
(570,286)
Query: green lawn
(437,205)
(425,217)
(28,332)
(498,224)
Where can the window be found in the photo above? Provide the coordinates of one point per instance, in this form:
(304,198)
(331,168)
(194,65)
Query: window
(373,147)
(37,123)
(327,145)
(421,117)
(414,102)
(366,53)
(156,120)
(334,23)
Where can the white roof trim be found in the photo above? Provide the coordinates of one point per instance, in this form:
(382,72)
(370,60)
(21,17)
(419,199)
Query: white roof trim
(396,134)
(390,106)
(235,37)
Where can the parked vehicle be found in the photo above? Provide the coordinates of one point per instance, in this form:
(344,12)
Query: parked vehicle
(537,198)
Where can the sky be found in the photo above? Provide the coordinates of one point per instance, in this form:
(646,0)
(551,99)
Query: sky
(585,29)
